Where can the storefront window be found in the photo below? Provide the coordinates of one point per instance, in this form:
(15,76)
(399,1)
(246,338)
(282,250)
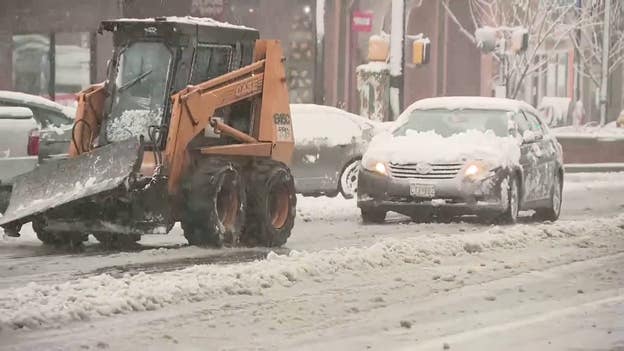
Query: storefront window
(31,64)
(301,51)
(72,69)
(55,66)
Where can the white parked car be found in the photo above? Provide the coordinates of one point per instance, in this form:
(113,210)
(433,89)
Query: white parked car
(18,147)
(23,118)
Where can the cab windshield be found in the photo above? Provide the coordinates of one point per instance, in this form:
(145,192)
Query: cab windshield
(449,122)
(139,90)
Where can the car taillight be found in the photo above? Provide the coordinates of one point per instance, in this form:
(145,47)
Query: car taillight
(33,142)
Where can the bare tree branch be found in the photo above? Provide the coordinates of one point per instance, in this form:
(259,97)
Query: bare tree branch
(548,22)
(461,27)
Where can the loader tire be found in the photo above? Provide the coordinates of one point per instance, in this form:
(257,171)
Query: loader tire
(49,237)
(215,203)
(272,205)
(117,241)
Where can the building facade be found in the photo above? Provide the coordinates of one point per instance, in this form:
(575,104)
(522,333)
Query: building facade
(53,49)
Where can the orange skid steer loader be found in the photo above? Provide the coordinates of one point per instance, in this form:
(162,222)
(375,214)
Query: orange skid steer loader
(192,125)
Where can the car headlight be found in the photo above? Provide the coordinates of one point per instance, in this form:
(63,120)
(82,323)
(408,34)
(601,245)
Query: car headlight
(478,170)
(376,166)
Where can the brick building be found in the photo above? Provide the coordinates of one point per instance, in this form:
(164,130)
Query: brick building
(53,49)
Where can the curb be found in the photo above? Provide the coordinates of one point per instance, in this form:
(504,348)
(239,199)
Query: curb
(594,167)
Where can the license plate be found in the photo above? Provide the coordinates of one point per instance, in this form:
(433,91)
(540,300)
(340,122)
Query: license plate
(422,190)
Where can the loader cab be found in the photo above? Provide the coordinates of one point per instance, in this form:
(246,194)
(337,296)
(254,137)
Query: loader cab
(155,58)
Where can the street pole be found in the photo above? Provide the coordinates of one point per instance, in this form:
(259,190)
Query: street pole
(604,83)
(397,37)
(319,83)
(577,55)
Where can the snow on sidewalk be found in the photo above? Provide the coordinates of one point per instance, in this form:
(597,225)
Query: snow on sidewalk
(575,181)
(36,305)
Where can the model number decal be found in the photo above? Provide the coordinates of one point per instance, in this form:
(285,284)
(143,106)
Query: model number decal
(281,118)
(283,128)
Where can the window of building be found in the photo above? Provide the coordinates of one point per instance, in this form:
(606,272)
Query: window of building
(31,63)
(72,65)
(55,65)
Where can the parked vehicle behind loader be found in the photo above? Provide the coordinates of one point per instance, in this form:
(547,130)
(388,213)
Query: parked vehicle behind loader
(192,125)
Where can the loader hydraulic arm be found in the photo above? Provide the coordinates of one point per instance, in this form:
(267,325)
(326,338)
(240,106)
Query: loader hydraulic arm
(194,107)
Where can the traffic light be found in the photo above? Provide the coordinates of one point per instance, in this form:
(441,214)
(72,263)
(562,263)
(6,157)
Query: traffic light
(378,48)
(420,51)
(502,39)
(487,39)
(519,39)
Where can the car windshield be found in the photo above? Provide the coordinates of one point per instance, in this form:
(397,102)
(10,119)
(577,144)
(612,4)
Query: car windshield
(449,122)
(139,90)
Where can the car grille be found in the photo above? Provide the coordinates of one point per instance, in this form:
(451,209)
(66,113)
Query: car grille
(437,171)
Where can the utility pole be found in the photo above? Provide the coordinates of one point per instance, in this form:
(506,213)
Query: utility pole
(397,50)
(604,83)
(319,83)
(578,79)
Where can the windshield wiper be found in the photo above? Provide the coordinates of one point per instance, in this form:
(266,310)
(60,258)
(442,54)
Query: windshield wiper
(134,80)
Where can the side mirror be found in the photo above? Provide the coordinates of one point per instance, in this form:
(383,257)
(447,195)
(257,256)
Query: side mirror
(530,136)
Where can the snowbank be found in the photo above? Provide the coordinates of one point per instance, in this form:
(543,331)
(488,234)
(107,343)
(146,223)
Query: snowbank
(433,148)
(37,305)
(610,130)
(590,181)
(374,67)
(326,209)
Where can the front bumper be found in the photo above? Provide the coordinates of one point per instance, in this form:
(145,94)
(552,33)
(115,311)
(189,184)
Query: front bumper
(455,196)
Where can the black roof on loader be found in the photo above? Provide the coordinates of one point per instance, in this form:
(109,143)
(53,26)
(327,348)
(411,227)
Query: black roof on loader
(202,29)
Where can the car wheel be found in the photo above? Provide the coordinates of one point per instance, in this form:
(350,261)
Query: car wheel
(373,215)
(349,179)
(552,213)
(510,215)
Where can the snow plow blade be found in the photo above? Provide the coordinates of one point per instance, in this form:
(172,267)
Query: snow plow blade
(64,181)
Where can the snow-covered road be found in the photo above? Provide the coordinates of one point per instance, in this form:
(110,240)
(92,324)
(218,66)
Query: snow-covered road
(338,285)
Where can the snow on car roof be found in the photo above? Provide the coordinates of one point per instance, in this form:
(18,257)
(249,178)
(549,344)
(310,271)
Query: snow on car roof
(313,108)
(36,101)
(314,128)
(202,21)
(320,109)
(470,102)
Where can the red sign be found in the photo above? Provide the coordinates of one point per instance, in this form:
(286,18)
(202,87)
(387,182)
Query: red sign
(362,21)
